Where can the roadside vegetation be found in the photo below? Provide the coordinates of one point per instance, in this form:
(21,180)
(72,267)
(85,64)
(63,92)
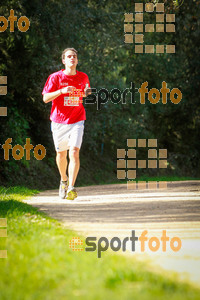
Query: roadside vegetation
(40,265)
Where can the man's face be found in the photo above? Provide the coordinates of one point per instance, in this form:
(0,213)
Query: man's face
(70,59)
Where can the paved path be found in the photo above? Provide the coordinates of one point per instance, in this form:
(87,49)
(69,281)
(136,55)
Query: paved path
(113,211)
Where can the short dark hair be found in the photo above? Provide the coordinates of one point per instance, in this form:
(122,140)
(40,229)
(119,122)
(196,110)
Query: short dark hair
(67,49)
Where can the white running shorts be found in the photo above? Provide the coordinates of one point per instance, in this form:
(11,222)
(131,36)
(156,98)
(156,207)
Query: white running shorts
(67,135)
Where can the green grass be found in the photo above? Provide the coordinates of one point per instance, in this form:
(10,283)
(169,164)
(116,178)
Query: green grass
(148,178)
(40,264)
(166,178)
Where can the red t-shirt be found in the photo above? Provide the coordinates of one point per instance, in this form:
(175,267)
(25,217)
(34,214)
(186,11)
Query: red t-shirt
(60,111)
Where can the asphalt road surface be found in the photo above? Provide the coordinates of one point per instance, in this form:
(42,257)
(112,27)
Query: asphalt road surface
(115,211)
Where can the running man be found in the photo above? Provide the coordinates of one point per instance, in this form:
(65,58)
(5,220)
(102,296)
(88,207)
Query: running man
(67,116)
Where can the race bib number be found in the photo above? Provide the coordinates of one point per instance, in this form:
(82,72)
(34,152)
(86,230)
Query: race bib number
(71,101)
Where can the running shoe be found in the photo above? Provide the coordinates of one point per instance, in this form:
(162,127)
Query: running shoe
(71,194)
(63,189)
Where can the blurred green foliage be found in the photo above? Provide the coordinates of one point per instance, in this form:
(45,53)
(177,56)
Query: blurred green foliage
(96,30)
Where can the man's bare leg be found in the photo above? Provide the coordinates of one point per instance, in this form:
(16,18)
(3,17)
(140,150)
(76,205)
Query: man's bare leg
(61,160)
(74,165)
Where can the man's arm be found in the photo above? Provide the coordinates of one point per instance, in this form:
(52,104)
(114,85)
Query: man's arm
(51,96)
